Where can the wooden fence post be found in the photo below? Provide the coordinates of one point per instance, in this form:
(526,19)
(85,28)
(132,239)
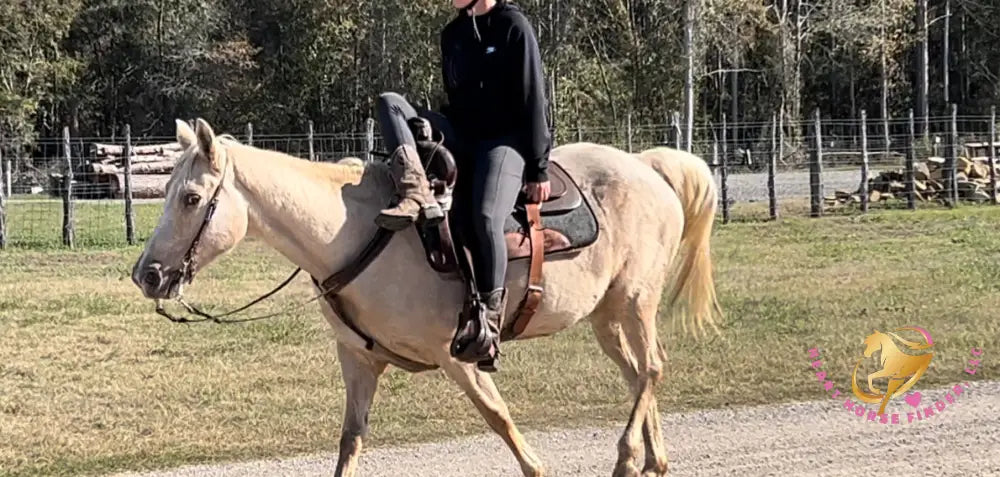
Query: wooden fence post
(816,171)
(724,177)
(312,150)
(951,159)
(993,154)
(129,212)
(250,134)
(677,129)
(864,162)
(3,203)
(369,139)
(628,130)
(68,232)
(911,186)
(772,166)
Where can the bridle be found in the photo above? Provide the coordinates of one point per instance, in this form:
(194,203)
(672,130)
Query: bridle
(186,273)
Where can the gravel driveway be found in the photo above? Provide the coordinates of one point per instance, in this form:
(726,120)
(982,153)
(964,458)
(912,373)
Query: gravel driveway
(818,438)
(752,187)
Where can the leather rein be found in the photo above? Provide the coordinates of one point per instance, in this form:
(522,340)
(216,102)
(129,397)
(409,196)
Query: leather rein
(336,282)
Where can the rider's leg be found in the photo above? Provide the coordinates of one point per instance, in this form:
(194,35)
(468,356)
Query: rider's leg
(411,181)
(495,186)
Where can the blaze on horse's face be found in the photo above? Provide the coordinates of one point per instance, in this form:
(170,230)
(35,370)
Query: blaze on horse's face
(160,270)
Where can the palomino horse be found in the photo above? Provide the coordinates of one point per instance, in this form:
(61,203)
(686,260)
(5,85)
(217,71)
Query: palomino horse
(320,216)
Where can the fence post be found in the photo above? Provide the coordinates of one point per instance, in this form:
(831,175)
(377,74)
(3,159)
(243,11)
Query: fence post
(3,203)
(68,232)
(772,166)
(951,159)
(863,191)
(911,186)
(993,154)
(369,138)
(250,134)
(628,130)
(677,129)
(312,150)
(129,212)
(725,187)
(816,171)
(725,149)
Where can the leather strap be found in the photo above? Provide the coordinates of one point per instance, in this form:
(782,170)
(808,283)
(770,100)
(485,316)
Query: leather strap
(533,293)
(336,282)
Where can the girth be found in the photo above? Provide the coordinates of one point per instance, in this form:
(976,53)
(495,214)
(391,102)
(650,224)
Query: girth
(336,282)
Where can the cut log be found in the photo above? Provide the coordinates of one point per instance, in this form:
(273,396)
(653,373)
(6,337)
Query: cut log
(100,150)
(120,160)
(144,186)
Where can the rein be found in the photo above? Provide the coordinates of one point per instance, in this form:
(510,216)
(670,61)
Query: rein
(336,282)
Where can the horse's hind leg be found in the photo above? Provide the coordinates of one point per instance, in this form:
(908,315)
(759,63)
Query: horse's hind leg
(614,344)
(360,382)
(482,391)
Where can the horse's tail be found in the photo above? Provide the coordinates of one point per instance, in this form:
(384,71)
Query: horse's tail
(692,181)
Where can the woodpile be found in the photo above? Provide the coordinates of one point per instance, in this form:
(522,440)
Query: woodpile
(972,177)
(104,176)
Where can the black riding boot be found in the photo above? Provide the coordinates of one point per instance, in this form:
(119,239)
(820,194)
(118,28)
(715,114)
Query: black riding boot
(495,303)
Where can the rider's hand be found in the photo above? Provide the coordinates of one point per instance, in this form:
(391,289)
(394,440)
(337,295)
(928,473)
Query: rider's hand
(538,192)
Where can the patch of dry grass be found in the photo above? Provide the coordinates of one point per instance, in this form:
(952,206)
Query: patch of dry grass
(91,380)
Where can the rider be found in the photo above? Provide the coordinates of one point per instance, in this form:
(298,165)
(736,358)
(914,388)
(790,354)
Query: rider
(492,74)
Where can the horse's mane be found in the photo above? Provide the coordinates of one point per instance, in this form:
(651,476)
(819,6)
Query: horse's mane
(347,170)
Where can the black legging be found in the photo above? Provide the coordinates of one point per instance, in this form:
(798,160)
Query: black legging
(489,180)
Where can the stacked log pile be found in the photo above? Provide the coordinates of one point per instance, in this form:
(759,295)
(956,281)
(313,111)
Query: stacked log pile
(104,176)
(973,178)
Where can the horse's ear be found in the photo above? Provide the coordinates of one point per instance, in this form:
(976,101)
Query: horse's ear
(185,135)
(206,137)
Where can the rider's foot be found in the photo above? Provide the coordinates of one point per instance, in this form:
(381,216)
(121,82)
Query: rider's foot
(417,201)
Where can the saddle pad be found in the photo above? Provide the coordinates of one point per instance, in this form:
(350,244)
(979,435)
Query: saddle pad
(565,232)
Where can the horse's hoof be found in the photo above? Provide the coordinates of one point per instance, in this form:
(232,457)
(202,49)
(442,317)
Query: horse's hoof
(627,469)
(656,470)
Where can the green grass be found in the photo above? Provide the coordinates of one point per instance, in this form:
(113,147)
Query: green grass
(91,380)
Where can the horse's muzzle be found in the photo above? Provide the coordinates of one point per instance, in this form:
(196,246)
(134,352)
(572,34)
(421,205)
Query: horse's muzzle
(155,282)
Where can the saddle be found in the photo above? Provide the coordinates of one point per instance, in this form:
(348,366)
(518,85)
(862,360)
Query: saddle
(562,225)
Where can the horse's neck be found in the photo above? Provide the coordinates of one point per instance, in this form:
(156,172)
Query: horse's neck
(306,212)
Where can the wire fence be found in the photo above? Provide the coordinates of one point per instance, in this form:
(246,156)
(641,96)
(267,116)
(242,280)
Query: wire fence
(82,191)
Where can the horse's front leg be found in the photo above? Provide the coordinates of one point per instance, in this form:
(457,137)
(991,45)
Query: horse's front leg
(479,387)
(878,374)
(360,381)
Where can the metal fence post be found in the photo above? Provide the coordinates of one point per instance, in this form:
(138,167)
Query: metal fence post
(250,134)
(864,162)
(723,173)
(129,212)
(68,232)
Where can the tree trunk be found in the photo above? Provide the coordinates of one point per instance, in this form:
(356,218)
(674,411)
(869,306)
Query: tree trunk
(945,64)
(885,82)
(923,108)
(690,7)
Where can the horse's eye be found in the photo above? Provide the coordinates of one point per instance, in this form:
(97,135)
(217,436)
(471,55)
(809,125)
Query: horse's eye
(192,199)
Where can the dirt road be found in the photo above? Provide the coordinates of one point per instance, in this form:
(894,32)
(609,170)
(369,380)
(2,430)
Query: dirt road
(820,438)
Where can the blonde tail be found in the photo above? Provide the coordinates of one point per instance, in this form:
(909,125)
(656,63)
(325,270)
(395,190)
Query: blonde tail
(692,180)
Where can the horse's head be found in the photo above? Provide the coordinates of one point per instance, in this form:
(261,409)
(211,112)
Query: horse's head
(873,343)
(204,215)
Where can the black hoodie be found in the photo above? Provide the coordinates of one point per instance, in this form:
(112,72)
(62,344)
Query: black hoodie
(493,78)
